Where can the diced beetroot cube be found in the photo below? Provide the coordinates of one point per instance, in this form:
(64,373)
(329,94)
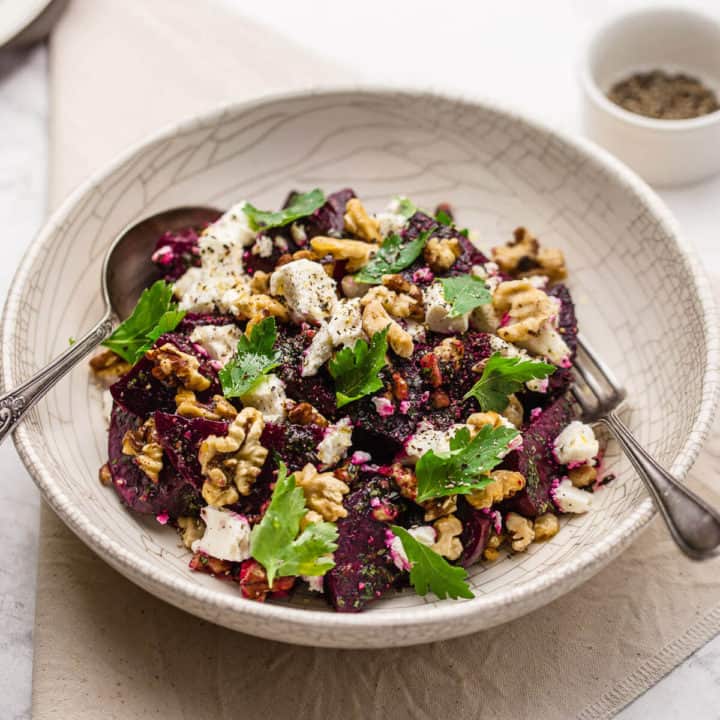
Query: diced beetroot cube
(175,252)
(295,444)
(363,570)
(566,320)
(329,219)
(476,531)
(172,494)
(536,460)
(180,438)
(141,393)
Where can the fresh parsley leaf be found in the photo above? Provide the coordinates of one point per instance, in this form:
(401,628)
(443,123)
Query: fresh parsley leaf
(393,256)
(275,543)
(405,207)
(356,370)
(464,468)
(254,358)
(443,218)
(154,315)
(502,376)
(301,206)
(430,571)
(465,293)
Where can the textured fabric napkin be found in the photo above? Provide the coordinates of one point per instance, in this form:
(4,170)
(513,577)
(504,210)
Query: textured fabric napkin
(104,648)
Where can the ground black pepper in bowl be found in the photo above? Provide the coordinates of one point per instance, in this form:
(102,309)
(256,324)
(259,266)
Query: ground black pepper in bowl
(663,96)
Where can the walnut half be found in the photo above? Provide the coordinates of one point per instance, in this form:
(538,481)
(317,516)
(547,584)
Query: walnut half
(521,531)
(375,319)
(448,543)
(143,446)
(504,484)
(323,493)
(359,223)
(177,367)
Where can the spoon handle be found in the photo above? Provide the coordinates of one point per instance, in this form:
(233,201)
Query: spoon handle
(693,523)
(15,403)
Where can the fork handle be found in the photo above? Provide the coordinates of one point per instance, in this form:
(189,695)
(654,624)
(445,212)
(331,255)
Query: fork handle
(693,523)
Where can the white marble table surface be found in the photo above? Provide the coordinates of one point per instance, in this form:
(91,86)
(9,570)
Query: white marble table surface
(523,53)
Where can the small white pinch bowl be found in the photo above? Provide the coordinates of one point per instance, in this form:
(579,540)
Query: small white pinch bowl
(640,298)
(662,152)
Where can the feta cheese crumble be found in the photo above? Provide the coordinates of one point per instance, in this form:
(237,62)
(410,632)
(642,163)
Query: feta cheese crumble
(269,397)
(226,537)
(569,499)
(336,442)
(437,312)
(427,438)
(576,444)
(309,292)
(220,341)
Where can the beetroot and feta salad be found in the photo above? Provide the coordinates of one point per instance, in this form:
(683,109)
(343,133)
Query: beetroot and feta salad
(354,401)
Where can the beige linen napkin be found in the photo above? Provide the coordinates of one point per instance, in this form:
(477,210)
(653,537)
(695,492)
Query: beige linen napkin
(104,648)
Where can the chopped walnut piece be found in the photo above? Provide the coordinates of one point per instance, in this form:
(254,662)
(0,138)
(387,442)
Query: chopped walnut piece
(143,446)
(521,530)
(108,366)
(405,479)
(491,551)
(305,414)
(546,526)
(399,305)
(450,351)
(356,252)
(448,543)
(526,309)
(375,319)
(174,366)
(359,223)
(191,529)
(477,421)
(514,411)
(323,492)
(189,406)
(582,476)
(260,283)
(236,457)
(523,256)
(504,484)
(441,253)
(219,496)
(104,474)
(255,308)
(408,294)
(439,507)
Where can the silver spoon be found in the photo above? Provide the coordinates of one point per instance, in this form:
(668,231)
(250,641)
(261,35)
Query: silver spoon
(126,272)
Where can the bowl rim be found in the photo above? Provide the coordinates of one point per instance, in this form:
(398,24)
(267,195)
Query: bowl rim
(602,102)
(526,594)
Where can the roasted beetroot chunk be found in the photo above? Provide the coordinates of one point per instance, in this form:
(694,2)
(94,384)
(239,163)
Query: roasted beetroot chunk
(567,320)
(141,393)
(329,218)
(363,570)
(536,460)
(193,320)
(175,252)
(180,439)
(295,444)
(477,526)
(172,494)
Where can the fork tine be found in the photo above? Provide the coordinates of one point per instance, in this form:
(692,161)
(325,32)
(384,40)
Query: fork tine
(604,370)
(587,411)
(589,378)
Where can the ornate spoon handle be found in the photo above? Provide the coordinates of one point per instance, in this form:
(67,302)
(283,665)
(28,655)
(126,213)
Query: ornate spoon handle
(693,523)
(14,404)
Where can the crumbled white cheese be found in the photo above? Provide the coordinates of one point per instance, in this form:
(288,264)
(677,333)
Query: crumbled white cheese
(424,534)
(506,349)
(343,329)
(570,499)
(335,443)
(298,234)
(309,292)
(397,551)
(549,344)
(437,312)
(427,438)
(268,396)
(390,223)
(316,583)
(576,444)
(263,246)
(222,243)
(220,341)
(416,330)
(227,535)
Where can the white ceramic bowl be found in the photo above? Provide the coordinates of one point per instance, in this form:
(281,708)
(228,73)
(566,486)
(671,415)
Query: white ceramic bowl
(663,152)
(640,299)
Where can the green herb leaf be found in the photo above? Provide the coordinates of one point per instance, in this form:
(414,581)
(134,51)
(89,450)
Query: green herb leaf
(443,218)
(465,293)
(356,370)
(464,468)
(154,315)
(502,376)
(301,206)
(393,256)
(405,207)
(275,543)
(430,571)
(254,358)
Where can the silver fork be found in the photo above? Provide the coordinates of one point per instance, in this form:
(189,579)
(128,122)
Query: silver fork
(693,523)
